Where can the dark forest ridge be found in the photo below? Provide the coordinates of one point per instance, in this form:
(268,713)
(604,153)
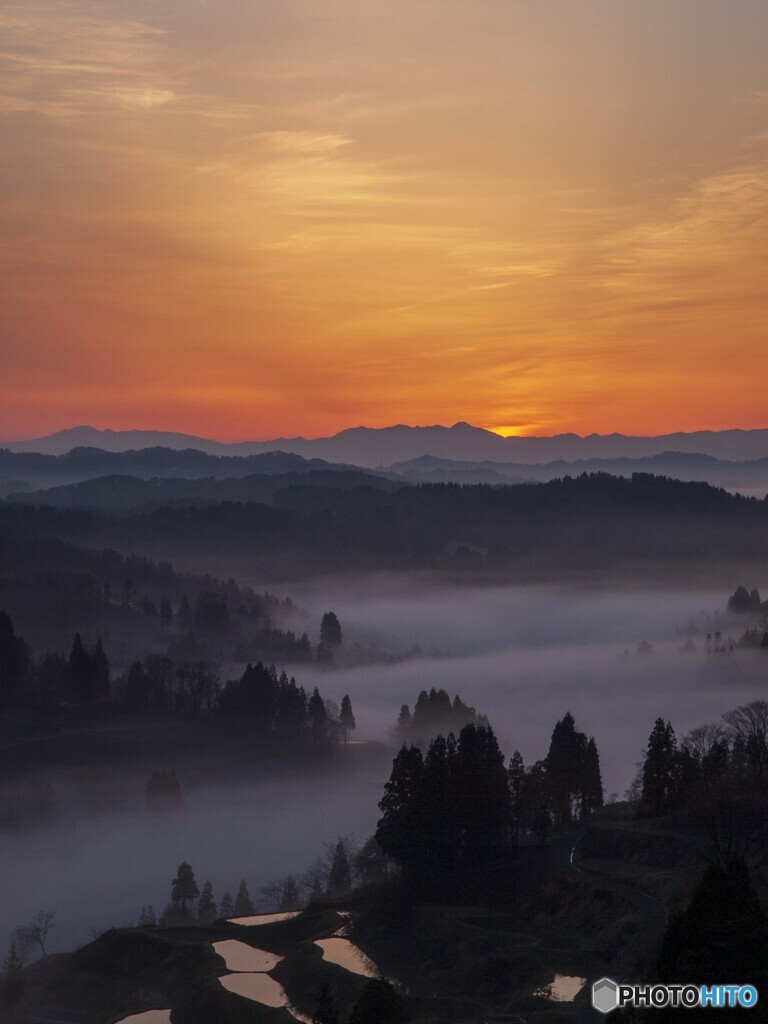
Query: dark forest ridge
(375,447)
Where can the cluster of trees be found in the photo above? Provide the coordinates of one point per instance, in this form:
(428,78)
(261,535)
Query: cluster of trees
(459,806)
(746,602)
(271,702)
(190,905)
(276,704)
(342,866)
(155,685)
(434,713)
(731,754)
(81,678)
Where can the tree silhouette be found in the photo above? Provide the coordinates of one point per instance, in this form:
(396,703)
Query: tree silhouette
(340,876)
(290,898)
(243,905)
(398,831)
(99,672)
(659,772)
(318,717)
(591,781)
(184,888)
(80,671)
(42,923)
(330,630)
(206,907)
(227,907)
(347,718)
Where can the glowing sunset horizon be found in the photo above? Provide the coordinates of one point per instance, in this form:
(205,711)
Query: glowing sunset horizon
(246,221)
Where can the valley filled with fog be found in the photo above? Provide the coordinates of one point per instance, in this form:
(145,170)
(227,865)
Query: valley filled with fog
(616,657)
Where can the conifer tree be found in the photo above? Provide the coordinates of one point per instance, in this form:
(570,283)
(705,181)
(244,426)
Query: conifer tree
(397,831)
(243,905)
(206,908)
(227,908)
(340,876)
(184,888)
(330,630)
(659,773)
(347,718)
(290,898)
(591,781)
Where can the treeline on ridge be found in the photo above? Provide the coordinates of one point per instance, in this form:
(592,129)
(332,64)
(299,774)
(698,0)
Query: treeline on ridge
(594,520)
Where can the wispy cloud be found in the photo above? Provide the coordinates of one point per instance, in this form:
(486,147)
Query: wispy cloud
(59,58)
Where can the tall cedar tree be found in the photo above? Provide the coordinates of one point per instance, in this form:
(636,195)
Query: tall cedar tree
(564,762)
(330,630)
(184,887)
(318,717)
(290,899)
(347,718)
(659,774)
(243,905)
(206,908)
(398,831)
(80,671)
(340,875)
(591,781)
(452,808)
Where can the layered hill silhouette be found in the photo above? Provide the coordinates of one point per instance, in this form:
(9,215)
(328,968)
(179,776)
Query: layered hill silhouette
(371,448)
(24,472)
(590,526)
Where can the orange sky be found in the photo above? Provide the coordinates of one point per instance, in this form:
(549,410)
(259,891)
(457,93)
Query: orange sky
(252,219)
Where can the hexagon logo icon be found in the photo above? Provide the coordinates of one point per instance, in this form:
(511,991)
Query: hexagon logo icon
(605,995)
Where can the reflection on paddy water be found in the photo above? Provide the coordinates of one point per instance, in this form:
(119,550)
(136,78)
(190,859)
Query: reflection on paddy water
(238,956)
(345,954)
(262,989)
(257,919)
(563,989)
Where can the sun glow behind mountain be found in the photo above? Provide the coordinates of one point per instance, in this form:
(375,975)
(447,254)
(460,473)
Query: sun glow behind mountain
(243,220)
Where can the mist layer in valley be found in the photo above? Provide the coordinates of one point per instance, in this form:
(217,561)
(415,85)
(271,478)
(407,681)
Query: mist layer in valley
(617,659)
(523,656)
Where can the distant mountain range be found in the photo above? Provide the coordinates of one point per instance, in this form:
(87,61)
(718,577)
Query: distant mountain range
(376,448)
(153,475)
